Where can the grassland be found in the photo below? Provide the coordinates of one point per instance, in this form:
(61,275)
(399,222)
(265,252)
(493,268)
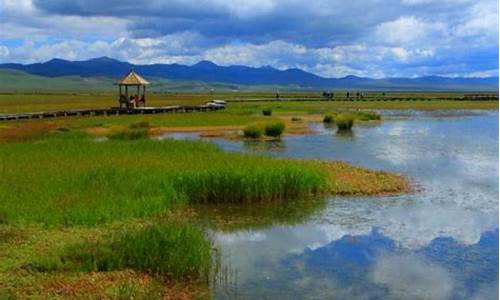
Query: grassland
(12,102)
(77,212)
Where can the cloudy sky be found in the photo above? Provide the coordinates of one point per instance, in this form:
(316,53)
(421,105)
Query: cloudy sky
(333,38)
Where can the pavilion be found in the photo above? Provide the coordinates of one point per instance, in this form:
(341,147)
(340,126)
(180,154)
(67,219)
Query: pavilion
(132,79)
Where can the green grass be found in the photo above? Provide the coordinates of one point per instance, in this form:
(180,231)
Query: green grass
(344,122)
(426,102)
(64,180)
(267,112)
(132,133)
(274,129)
(253,131)
(180,120)
(364,115)
(248,182)
(172,249)
(328,119)
(35,99)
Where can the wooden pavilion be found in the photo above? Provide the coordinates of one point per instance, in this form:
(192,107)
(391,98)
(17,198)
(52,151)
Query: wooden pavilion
(132,79)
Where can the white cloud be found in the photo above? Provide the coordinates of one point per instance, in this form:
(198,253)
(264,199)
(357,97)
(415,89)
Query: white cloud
(481,20)
(410,277)
(408,30)
(4,52)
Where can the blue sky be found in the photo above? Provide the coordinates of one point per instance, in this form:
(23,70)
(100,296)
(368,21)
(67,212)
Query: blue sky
(333,38)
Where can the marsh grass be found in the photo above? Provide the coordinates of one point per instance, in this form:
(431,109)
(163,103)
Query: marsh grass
(172,249)
(267,111)
(249,182)
(355,115)
(132,133)
(364,115)
(253,131)
(344,122)
(328,119)
(274,129)
(73,181)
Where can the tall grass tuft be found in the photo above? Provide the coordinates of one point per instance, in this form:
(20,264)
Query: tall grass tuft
(365,115)
(130,134)
(267,111)
(253,131)
(328,119)
(344,123)
(356,115)
(171,249)
(248,183)
(274,129)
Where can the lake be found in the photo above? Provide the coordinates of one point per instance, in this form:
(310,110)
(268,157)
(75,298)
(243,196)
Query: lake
(438,242)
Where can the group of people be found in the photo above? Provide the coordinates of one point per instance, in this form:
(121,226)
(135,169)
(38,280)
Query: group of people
(331,95)
(133,101)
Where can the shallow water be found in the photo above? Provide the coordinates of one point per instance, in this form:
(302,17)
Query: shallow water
(440,242)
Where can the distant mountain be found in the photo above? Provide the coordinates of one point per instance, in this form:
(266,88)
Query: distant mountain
(208,72)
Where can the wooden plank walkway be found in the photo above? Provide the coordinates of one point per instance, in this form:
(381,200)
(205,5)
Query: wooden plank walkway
(113,111)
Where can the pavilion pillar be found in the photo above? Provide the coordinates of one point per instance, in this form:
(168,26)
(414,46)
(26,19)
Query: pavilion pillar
(144,94)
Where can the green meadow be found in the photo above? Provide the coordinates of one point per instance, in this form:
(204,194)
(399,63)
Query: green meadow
(46,100)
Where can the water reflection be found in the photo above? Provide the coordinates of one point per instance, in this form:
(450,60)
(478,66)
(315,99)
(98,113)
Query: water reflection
(371,266)
(234,217)
(438,243)
(345,134)
(264,146)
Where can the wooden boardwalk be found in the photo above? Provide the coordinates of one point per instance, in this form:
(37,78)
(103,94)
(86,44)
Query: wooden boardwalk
(113,111)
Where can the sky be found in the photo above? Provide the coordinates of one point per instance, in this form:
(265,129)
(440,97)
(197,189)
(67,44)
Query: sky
(331,38)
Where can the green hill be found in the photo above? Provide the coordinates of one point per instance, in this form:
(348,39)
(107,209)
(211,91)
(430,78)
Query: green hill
(14,80)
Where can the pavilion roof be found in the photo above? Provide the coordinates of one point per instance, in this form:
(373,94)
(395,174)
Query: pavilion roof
(132,78)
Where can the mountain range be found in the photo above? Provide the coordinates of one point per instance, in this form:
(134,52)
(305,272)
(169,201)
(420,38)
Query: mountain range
(208,72)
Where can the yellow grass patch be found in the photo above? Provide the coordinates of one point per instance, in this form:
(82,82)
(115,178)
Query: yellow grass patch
(346,179)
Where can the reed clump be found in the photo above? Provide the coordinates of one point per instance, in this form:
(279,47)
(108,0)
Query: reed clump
(172,249)
(253,131)
(250,182)
(132,133)
(274,129)
(365,115)
(344,123)
(267,112)
(356,115)
(328,119)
